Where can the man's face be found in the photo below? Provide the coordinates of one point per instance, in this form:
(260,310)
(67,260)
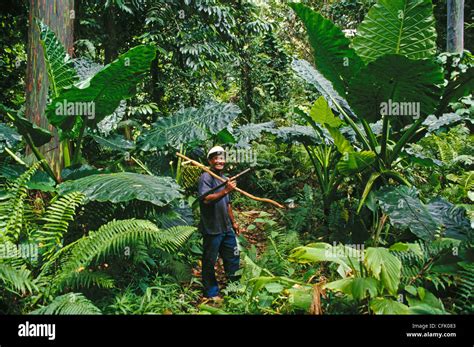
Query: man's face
(217,162)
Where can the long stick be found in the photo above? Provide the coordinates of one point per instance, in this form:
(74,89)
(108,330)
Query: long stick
(219,186)
(209,171)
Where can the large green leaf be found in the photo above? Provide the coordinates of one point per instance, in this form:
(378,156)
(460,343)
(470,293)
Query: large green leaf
(405,27)
(320,251)
(307,72)
(39,136)
(40,180)
(332,55)
(343,285)
(466,180)
(8,137)
(342,144)
(425,303)
(452,218)
(76,171)
(354,162)
(388,306)
(189,124)
(321,113)
(297,133)
(115,82)
(432,123)
(384,266)
(115,142)
(301,297)
(362,287)
(60,67)
(251,131)
(368,188)
(392,80)
(315,252)
(405,210)
(414,157)
(124,186)
(359,288)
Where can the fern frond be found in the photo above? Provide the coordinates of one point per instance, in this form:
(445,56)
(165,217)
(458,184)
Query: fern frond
(87,279)
(71,303)
(18,256)
(13,207)
(57,218)
(16,280)
(116,237)
(416,267)
(173,238)
(446,151)
(465,290)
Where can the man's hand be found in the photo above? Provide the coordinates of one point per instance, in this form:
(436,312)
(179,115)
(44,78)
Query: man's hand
(236,228)
(230,186)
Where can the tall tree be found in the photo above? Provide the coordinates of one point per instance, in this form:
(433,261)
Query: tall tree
(455,35)
(59,16)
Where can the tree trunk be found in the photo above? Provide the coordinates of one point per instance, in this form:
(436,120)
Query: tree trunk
(110,46)
(455,34)
(59,16)
(246,89)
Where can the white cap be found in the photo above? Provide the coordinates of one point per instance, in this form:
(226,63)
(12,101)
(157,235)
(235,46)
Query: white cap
(215,149)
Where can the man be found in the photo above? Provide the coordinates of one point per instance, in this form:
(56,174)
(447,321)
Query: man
(217,225)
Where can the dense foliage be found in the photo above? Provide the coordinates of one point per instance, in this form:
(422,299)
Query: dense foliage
(352,114)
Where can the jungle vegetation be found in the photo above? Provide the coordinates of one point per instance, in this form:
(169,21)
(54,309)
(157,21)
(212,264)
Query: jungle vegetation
(356,117)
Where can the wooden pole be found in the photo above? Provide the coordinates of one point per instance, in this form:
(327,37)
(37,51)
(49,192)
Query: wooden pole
(243,192)
(455,30)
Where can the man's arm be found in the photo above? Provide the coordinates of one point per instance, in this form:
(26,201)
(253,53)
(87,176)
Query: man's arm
(232,219)
(230,186)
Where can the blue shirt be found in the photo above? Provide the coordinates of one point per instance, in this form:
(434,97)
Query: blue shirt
(215,217)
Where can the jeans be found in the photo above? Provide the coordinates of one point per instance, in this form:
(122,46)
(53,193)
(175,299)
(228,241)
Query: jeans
(225,245)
